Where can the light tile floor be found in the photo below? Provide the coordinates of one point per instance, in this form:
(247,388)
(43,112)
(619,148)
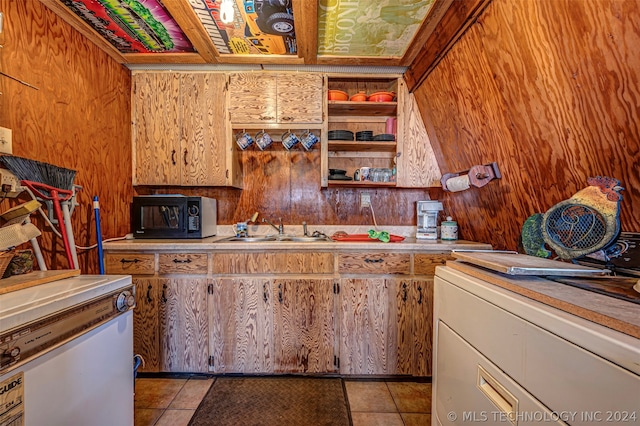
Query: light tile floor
(172,402)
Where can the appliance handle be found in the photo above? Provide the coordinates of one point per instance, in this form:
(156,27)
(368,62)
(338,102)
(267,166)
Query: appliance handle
(498,394)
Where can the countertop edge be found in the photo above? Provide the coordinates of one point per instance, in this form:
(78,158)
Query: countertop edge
(604,310)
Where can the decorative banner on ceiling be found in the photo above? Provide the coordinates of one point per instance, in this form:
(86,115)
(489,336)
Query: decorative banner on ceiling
(258,27)
(133,26)
(368,27)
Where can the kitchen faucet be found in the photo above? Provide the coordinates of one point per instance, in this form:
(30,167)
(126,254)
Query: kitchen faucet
(280,228)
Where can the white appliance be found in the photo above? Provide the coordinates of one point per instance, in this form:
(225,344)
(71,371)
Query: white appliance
(501,358)
(66,352)
(428,219)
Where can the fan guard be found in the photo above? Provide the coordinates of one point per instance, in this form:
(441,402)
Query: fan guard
(573,230)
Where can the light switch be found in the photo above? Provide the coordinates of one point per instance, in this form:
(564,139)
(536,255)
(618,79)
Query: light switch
(6,145)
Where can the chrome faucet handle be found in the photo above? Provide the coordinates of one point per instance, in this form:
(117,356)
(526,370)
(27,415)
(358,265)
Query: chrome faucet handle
(280,228)
(304,228)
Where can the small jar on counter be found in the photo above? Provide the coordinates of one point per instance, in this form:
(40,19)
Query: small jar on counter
(449,229)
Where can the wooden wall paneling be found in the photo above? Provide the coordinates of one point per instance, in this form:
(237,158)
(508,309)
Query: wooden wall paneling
(455,21)
(78,119)
(306,195)
(267,185)
(547,90)
(416,161)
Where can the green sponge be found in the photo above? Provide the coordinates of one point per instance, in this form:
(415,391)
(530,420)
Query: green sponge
(379,235)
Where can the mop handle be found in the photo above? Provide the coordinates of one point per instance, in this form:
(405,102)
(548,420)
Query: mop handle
(55,197)
(96,210)
(63,231)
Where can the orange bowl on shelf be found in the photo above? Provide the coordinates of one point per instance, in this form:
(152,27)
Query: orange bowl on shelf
(382,97)
(359,97)
(338,95)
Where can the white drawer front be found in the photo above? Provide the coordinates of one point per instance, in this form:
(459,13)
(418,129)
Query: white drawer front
(470,389)
(494,332)
(566,377)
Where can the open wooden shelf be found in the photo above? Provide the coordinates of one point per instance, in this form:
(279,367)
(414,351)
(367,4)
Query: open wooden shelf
(362,146)
(363,108)
(359,183)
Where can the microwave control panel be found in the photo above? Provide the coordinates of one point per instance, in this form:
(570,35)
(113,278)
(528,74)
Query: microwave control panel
(193,222)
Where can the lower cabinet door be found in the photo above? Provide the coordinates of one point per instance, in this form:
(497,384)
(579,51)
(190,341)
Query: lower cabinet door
(146,335)
(468,388)
(241,326)
(415,326)
(304,325)
(369,325)
(184,344)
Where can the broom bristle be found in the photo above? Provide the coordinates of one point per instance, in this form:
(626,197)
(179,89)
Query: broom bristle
(37,171)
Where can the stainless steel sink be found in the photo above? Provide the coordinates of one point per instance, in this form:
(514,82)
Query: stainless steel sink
(304,239)
(276,238)
(252,239)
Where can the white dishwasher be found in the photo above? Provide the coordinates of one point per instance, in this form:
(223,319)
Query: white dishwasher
(502,358)
(66,352)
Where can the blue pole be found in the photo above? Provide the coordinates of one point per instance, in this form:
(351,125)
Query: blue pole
(96,209)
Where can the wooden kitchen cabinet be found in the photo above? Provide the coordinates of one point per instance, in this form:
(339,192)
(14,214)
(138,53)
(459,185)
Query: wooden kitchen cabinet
(260,325)
(170,320)
(386,326)
(146,333)
(283,311)
(170,328)
(368,326)
(183,324)
(179,130)
(269,317)
(241,326)
(415,326)
(275,98)
(304,325)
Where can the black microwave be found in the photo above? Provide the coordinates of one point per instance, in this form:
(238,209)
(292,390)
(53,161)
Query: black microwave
(173,216)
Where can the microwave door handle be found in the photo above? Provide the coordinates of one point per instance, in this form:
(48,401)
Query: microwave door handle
(174,217)
(165,215)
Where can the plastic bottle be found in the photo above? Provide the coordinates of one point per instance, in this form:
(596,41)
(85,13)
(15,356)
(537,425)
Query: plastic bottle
(449,229)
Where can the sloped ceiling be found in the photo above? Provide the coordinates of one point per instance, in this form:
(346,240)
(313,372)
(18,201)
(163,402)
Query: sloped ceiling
(324,32)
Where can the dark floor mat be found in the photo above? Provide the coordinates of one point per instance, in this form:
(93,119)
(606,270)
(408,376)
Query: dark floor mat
(270,401)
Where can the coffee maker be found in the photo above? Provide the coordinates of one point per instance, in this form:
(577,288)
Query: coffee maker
(428,219)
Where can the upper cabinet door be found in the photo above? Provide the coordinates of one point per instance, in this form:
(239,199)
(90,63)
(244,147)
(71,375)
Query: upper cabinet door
(203,145)
(156,128)
(265,98)
(253,97)
(300,98)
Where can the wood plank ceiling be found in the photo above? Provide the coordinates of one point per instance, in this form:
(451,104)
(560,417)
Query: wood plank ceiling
(327,32)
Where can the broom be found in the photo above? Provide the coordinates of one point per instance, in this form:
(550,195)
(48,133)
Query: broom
(48,182)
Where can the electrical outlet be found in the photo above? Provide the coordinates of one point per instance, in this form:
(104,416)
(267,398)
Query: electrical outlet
(365,200)
(6,146)
(10,182)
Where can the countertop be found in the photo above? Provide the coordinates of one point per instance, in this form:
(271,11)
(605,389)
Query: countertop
(608,311)
(218,242)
